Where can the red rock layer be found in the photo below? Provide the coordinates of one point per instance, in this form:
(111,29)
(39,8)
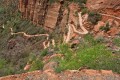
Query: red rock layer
(66,75)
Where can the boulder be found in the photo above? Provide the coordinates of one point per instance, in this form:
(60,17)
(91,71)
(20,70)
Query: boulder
(113,31)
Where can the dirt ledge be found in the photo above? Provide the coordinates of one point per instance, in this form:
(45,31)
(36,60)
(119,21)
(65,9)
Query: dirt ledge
(85,74)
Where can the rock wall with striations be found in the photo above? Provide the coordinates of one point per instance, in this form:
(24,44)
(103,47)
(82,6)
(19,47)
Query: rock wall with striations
(103,4)
(34,10)
(110,7)
(49,15)
(40,12)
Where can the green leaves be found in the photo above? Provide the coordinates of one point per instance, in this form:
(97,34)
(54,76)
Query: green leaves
(90,53)
(94,17)
(2,63)
(36,65)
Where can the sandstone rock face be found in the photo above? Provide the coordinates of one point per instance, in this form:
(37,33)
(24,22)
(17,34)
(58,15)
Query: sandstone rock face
(48,15)
(52,15)
(109,7)
(74,8)
(113,31)
(34,10)
(40,12)
(50,66)
(98,26)
(66,75)
(103,4)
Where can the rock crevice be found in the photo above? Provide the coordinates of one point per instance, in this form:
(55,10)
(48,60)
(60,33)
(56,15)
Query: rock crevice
(41,12)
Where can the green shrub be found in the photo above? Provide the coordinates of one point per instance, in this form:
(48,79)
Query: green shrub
(93,57)
(106,27)
(44,52)
(52,1)
(100,39)
(36,65)
(10,17)
(94,17)
(59,69)
(84,11)
(8,70)
(110,63)
(35,61)
(64,48)
(79,1)
(89,56)
(2,10)
(2,63)
(116,41)
(90,53)
(89,40)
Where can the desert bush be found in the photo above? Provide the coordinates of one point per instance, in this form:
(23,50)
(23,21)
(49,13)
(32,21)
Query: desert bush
(84,11)
(52,1)
(2,10)
(9,70)
(15,58)
(116,41)
(44,52)
(2,63)
(94,17)
(78,1)
(89,40)
(5,68)
(90,53)
(36,65)
(35,61)
(106,27)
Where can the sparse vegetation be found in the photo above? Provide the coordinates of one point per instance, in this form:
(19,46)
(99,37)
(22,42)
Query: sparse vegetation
(35,61)
(116,41)
(79,1)
(36,65)
(2,63)
(106,27)
(94,17)
(52,1)
(84,11)
(44,52)
(13,60)
(89,54)
(6,68)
